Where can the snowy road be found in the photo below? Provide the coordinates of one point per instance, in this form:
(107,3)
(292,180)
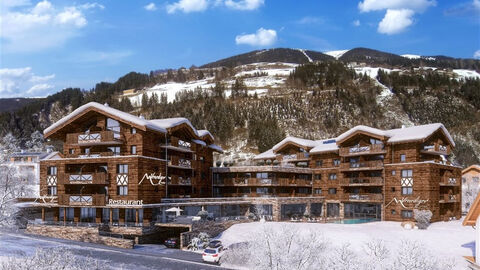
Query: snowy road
(141,258)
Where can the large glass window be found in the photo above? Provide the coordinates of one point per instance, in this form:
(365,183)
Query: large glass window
(114,126)
(69,213)
(407,173)
(115,215)
(87,214)
(105,215)
(52,190)
(130,215)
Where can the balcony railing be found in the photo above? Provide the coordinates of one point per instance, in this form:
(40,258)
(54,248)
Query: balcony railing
(448,198)
(362,150)
(359,181)
(294,182)
(363,197)
(372,164)
(82,199)
(449,181)
(97,154)
(295,157)
(101,137)
(86,178)
(435,149)
(181,181)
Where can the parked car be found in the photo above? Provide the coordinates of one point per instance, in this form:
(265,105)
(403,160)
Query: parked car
(214,244)
(213,255)
(172,242)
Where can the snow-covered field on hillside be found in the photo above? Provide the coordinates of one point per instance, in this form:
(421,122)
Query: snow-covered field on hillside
(444,240)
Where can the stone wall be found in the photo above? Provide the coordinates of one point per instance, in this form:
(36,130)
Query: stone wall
(83,234)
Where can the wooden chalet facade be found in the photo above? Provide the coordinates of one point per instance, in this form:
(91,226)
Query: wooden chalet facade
(114,163)
(365,173)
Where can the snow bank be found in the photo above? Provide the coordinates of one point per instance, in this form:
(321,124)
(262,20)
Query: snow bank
(466,74)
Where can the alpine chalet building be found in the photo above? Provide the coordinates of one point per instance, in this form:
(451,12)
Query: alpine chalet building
(114,164)
(365,173)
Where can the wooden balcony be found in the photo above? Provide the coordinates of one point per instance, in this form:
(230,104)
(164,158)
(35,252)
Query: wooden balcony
(94,138)
(181,163)
(362,181)
(93,155)
(82,199)
(181,146)
(372,149)
(296,157)
(449,198)
(84,179)
(435,149)
(179,181)
(294,182)
(450,181)
(363,197)
(362,165)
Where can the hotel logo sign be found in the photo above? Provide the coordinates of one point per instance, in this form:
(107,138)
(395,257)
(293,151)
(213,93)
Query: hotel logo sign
(155,180)
(403,201)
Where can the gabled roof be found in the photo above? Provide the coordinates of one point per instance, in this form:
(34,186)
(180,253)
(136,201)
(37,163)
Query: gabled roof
(472,215)
(269,154)
(159,125)
(294,140)
(415,133)
(472,167)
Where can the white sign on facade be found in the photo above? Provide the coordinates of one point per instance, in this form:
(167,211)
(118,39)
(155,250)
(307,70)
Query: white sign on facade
(416,202)
(155,180)
(125,202)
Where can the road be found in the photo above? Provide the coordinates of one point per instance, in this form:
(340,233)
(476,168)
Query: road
(142,257)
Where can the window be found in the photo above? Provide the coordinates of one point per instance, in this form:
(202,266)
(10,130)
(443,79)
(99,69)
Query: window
(52,190)
(407,190)
(133,130)
(394,172)
(336,162)
(407,213)
(86,151)
(317,191)
(262,190)
(115,150)
(332,191)
(122,168)
(407,173)
(262,175)
(133,149)
(394,212)
(304,190)
(318,177)
(71,151)
(114,126)
(51,170)
(332,176)
(319,163)
(403,157)
(122,190)
(375,141)
(393,189)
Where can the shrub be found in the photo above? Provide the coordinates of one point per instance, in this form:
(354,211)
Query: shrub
(423,218)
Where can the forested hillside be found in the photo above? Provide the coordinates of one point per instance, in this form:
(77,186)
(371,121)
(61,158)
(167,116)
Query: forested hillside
(315,100)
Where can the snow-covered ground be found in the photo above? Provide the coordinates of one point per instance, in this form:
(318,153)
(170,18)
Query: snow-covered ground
(443,239)
(337,54)
(465,73)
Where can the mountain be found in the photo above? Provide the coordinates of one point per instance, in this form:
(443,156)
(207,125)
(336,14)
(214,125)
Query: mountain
(264,95)
(12,104)
(284,55)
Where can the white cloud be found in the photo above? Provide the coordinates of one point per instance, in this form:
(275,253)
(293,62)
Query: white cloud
(244,4)
(399,13)
(263,37)
(150,7)
(476,55)
(188,6)
(22,82)
(41,26)
(356,23)
(415,5)
(395,21)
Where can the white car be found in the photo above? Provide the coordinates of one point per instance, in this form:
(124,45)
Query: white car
(213,255)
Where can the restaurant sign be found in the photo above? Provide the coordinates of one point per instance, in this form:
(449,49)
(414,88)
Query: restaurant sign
(125,202)
(404,201)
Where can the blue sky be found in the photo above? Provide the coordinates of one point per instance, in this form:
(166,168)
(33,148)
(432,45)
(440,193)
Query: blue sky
(49,45)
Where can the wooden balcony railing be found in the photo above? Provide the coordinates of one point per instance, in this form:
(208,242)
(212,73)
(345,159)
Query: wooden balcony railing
(82,199)
(359,181)
(294,182)
(296,157)
(361,165)
(363,197)
(95,154)
(449,181)
(362,150)
(93,138)
(449,198)
(181,181)
(435,149)
(85,178)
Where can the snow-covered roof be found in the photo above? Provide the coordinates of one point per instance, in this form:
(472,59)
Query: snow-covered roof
(120,114)
(199,142)
(265,155)
(472,167)
(52,155)
(414,133)
(302,142)
(216,147)
(160,125)
(323,146)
